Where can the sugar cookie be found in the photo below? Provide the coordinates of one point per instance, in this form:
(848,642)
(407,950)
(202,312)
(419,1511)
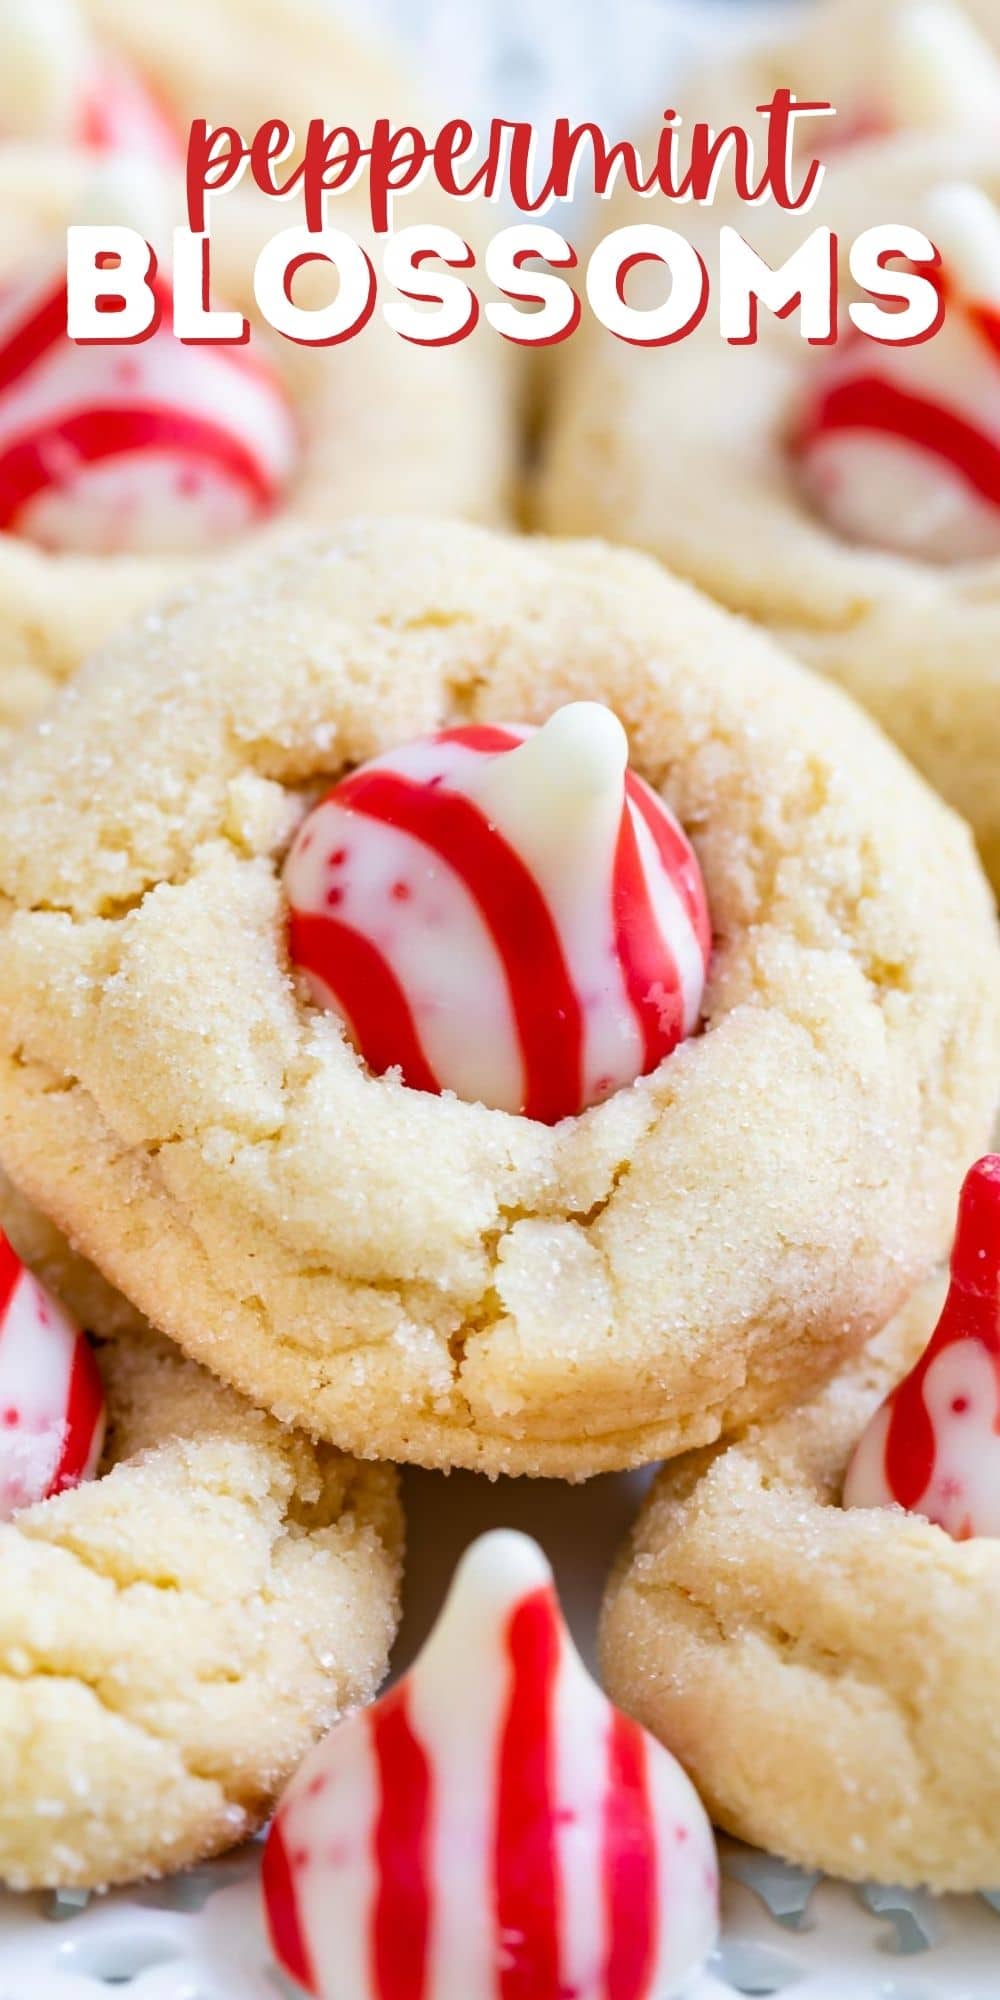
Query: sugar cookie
(876,565)
(419,1277)
(820,1672)
(125,469)
(176,1634)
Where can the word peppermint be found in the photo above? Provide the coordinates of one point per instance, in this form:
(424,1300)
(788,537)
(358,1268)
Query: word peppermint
(427,280)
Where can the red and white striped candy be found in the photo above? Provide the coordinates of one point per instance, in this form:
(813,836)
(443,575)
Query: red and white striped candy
(899,447)
(116,112)
(55,84)
(492,1829)
(156,448)
(934,1446)
(509,914)
(51,1398)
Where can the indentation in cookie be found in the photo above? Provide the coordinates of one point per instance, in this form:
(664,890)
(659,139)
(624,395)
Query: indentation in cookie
(899,447)
(509,914)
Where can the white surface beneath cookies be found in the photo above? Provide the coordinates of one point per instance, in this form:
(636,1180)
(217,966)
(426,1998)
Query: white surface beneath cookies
(201,1936)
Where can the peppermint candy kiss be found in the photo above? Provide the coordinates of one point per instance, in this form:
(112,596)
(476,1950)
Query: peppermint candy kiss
(900,447)
(492,1829)
(934,1446)
(51,1399)
(509,914)
(155,448)
(55,84)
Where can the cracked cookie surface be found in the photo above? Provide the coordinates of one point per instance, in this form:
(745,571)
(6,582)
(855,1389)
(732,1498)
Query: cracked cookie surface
(823,1675)
(420,1278)
(176,1634)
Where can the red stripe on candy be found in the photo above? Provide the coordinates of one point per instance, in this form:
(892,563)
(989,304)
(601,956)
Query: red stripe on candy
(32,339)
(11,1268)
(84,1408)
(971,1311)
(677,857)
(482,736)
(401,1919)
(527,1883)
(281,1912)
(628,1865)
(546,1008)
(872,404)
(643,953)
(987,322)
(367,990)
(31,465)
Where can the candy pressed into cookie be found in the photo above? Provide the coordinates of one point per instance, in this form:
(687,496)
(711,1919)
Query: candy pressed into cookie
(821,1669)
(176,1632)
(411,1274)
(124,467)
(845,496)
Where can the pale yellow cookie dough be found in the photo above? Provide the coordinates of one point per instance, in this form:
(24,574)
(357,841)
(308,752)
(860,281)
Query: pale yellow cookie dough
(175,1635)
(824,1676)
(683,451)
(421,1278)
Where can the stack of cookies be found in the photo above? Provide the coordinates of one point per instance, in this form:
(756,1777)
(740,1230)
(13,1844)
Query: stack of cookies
(478,1001)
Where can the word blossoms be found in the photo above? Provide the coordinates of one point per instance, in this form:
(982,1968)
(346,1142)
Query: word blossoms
(432,287)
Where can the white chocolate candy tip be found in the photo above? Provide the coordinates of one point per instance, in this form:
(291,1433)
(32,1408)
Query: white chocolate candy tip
(579,753)
(508,914)
(492,1827)
(496,1569)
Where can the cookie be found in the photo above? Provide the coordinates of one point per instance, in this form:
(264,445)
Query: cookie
(819,1672)
(694,456)
(176,1634)
(99,521)
(411,1275)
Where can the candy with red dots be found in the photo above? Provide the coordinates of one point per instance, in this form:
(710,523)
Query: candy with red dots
(155,448)
(505,913)
(56,83)
(899,447)
(492,1829)
(51,1398)
(934,1446)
